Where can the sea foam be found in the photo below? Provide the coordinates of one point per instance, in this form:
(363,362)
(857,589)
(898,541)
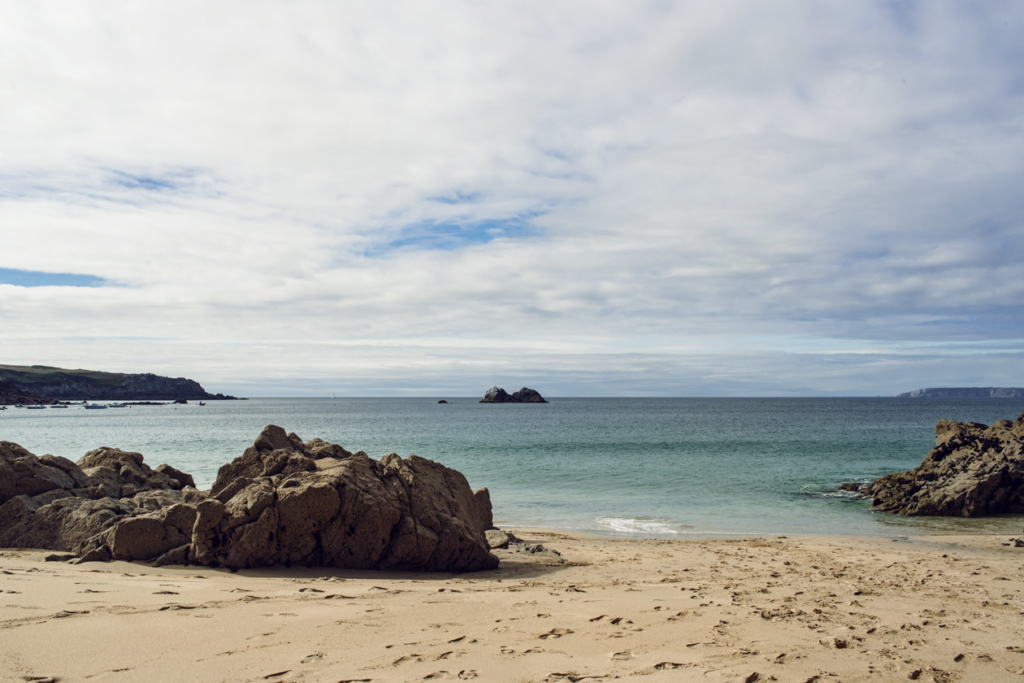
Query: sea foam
(642,525)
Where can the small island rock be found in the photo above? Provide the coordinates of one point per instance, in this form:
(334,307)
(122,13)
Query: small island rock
(524,395)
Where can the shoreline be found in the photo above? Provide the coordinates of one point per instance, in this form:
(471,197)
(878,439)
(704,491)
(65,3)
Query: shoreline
(796,608)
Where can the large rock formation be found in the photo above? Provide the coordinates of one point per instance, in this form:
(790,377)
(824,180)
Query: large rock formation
(974,470)
(524,395)
(282,502)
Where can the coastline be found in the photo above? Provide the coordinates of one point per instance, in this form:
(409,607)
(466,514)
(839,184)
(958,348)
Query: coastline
(800,608)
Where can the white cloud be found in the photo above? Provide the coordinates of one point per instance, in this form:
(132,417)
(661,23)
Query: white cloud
(718,190)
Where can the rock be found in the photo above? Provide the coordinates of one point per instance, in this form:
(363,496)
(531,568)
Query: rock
(496,395)
(65,524)
(277,504)
(178,555)
(147,536)
(974,470)
(273,453)
(442,401)
(121,474)
(178,475)
(23,474)
(94,555)
(524,395)
(482,508)
(59,557)
(854,487)
(281,502)
(497,539)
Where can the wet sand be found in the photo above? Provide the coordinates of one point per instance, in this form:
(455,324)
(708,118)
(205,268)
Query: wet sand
(755,609)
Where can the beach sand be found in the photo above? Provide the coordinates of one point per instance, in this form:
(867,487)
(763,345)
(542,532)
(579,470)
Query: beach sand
(753,609)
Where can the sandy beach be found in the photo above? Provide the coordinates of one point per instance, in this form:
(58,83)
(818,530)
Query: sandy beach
(752,609)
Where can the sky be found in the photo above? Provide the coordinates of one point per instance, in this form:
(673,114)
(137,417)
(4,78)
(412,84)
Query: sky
(642,198)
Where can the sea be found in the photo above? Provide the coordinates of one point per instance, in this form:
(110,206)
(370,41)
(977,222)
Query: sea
(629,467)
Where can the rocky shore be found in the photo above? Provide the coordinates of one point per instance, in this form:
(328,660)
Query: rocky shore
(974,470)
(282,502)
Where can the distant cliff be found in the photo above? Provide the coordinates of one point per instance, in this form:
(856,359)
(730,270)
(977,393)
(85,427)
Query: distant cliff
(11,395)
(966,392)
(90,385)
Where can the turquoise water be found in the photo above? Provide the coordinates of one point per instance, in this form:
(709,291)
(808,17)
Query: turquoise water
(636,467)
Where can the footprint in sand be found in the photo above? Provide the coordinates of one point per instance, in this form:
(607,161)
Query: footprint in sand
(309,659)
(556,633)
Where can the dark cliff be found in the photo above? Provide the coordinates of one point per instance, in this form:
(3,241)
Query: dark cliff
(90,385)
(11,395)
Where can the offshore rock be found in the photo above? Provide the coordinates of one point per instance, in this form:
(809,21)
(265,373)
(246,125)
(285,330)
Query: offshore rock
(524,395)
(974,470)
(282,502)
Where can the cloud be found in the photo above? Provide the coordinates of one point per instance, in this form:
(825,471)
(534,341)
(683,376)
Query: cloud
(727,191)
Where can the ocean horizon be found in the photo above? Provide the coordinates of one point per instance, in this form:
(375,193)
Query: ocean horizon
(632,467)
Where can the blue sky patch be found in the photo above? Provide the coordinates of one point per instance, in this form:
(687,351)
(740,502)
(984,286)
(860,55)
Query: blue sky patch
(458,198)
(35,278)
(144,182)
(451,235)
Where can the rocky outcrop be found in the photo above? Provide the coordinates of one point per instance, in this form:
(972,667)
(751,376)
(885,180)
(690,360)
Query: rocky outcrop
(524,395)
(283,501)
(91,385)
(974,470)
(53,503)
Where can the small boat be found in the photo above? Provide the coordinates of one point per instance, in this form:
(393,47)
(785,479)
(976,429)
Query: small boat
(94,406)
(21,405)
(201,403)
(116,405)
(59,406)
(36,407)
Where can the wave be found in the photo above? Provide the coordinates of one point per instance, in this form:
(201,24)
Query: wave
(642,525)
